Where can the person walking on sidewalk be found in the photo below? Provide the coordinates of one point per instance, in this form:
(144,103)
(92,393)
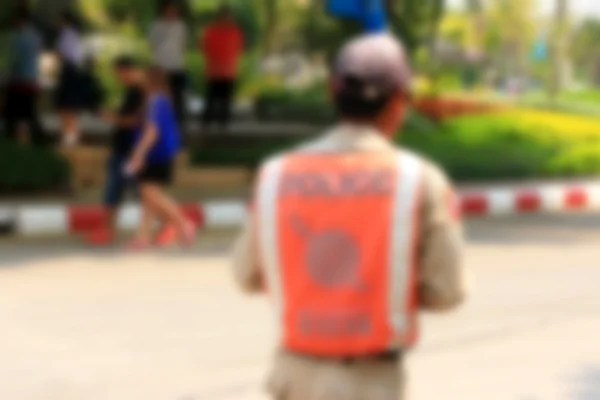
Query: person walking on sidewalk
(153,161)
(22,91)
(127,123)
(70,95)
(168,41)
(222,45)
(352,237)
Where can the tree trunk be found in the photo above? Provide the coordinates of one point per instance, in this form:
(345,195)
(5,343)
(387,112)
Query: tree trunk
(271,21)
(560,49)
(476,11)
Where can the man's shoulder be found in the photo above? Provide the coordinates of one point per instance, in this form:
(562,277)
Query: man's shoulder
(432,173)
(304,147)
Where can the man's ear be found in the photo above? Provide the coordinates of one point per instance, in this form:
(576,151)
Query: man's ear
(394,115)
(400,103)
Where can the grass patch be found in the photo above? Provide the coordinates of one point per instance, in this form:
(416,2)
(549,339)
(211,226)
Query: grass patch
(26,169)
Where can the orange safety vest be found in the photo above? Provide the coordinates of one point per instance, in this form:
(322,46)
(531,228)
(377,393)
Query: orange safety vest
(338,240)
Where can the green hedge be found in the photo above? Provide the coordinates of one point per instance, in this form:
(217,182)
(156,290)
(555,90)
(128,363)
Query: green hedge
(25,169)
(251,154)
(468,153)
(294,106)
(514,144)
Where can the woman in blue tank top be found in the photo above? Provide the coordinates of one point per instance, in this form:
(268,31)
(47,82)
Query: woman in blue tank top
(153,163)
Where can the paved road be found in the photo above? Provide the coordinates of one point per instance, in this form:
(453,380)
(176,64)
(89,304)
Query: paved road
(80,325)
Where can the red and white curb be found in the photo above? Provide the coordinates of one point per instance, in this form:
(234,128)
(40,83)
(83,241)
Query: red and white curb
(543,199)
(41,220)
(36,220)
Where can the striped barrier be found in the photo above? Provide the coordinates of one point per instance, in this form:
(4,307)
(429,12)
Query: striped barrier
(36,220)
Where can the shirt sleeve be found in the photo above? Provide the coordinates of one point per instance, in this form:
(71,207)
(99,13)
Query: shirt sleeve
(183,35)
(154,112)
(70,46)
(442,277)
(245,260)
(154,36)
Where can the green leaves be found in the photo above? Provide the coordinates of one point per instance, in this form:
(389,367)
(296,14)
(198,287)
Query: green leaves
(26,168)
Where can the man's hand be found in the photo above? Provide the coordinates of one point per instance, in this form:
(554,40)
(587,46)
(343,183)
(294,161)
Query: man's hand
(135,165)
(108,116)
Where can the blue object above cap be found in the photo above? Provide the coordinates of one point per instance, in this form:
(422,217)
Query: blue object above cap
(371,13)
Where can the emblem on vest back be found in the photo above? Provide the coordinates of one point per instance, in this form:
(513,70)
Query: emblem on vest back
(332,257)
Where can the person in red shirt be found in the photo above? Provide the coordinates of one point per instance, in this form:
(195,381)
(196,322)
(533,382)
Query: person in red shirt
(222,44)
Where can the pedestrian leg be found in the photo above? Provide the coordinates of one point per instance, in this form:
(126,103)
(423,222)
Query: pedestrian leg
(177,83)
(210,105)
(12,112)
(36,131)
(227,102)
(167,209)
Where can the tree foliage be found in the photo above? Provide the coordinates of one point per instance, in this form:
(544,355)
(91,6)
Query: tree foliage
(279,24)
(415,22)
(585,50)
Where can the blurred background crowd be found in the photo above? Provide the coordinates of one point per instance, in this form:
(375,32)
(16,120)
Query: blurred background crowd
(504,89)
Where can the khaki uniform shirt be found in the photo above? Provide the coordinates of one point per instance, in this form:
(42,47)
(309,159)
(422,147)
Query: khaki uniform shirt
(441,276)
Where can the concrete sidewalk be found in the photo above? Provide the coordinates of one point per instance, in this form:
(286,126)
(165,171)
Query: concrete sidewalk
(81,324)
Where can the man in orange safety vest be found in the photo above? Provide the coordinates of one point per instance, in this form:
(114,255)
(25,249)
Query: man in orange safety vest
(352,237)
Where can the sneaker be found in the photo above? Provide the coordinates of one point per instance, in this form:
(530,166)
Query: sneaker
(166,237)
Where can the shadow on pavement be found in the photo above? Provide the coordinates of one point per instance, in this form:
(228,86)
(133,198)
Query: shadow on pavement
(565,229)
(586,384)
(23,253)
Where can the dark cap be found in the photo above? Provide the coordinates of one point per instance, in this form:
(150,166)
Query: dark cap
(376,64)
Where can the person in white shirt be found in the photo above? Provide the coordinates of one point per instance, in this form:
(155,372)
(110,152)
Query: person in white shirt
(168,41)
(70,95)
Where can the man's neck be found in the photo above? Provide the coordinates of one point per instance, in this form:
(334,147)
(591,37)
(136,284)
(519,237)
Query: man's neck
(364,126)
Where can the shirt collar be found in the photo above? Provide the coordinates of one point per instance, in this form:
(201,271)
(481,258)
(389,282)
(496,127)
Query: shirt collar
(357,137)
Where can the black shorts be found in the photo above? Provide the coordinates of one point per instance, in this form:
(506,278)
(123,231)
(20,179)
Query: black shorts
(70,93)
(161,174)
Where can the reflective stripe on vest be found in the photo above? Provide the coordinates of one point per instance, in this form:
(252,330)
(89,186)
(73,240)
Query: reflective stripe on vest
(337,243)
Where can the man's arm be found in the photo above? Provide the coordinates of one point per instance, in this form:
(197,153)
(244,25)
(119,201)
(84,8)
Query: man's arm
(127,121)
(245,260)
(442,277)
(149,138)
(122,121)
